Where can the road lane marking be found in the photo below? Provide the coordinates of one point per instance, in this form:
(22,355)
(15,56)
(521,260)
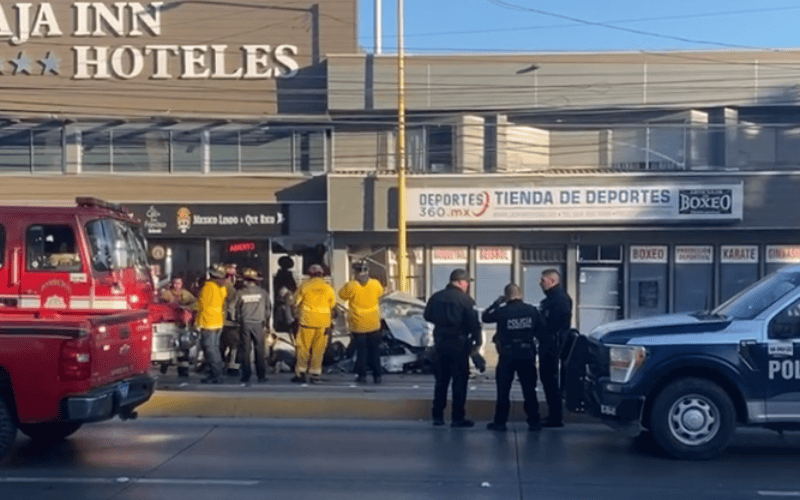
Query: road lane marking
(779,493)
(127,480)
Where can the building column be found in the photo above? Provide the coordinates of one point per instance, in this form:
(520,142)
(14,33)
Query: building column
(73,149)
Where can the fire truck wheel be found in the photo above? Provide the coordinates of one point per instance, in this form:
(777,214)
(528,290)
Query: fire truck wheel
(8,430)
(163,367)
(49,431)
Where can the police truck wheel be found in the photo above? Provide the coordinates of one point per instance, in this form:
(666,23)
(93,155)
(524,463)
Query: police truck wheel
(693,419)
(183,371)
(163,368)
(49,431)
(8,430)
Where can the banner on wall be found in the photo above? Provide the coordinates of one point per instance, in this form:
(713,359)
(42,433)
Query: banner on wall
(648,254)
(739,254)
(169,220)
(631,204)
(694,254)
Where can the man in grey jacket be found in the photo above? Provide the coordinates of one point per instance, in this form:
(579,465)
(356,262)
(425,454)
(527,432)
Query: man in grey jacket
(252,310)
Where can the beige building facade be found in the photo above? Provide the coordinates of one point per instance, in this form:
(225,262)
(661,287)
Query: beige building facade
(656,182)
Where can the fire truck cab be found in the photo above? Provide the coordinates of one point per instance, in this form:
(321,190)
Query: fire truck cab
(59,259)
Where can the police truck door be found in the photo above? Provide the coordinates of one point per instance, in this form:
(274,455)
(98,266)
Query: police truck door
(782,374)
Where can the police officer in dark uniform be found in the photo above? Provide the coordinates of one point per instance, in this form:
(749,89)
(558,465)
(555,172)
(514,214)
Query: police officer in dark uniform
(252,310)
(456,333)
(556,310)
(517,324)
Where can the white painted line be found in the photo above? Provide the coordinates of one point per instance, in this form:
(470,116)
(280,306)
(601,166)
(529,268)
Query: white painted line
(117,480)
(768,493)
(211,482)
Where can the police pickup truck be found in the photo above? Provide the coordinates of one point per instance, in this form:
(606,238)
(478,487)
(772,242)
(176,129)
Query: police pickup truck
(690,379)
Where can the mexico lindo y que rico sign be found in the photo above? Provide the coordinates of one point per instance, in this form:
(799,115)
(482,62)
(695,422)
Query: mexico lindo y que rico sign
(629,204)
(210,220)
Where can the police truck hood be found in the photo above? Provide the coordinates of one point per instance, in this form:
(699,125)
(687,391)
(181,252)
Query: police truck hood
(620,332)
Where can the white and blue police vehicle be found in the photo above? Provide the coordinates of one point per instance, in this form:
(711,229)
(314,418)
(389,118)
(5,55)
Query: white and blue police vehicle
(690,379)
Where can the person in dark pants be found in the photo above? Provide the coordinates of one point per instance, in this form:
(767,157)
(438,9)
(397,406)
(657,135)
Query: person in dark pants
(364,317)
(556,310)
(456,333)
(517,324)
(252,310)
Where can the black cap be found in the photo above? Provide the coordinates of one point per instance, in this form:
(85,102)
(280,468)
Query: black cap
(459,275)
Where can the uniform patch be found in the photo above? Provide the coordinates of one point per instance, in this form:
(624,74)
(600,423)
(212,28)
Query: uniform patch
(781,349)
(247,299)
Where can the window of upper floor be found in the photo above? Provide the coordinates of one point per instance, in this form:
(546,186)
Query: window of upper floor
(201,150)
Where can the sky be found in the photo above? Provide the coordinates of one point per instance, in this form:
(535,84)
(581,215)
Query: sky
(501,26)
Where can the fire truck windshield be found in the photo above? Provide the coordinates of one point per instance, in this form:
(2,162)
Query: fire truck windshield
(116,245)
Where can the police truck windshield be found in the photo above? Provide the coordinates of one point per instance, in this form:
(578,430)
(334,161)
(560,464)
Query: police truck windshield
(753,300)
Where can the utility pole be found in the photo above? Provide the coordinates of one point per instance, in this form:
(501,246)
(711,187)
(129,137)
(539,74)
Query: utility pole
(378,27)
(402,257)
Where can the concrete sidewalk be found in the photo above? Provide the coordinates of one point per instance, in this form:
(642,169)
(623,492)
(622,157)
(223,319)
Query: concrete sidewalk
(399,397)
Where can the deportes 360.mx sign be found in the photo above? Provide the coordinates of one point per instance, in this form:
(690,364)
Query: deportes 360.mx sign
(212,220)
(536,204)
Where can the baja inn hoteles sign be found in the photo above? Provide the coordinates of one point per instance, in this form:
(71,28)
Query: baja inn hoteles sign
(141,26)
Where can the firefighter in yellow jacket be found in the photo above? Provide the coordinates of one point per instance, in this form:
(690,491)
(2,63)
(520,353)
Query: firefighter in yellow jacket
(315,301)
(363,294)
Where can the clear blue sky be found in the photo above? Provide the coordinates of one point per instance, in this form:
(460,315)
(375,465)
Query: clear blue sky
(478,26)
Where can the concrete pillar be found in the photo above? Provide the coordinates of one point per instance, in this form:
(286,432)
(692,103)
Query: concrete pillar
(73,149)
(469,144)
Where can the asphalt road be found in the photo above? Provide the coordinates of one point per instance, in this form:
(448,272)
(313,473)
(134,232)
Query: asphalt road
(198,459)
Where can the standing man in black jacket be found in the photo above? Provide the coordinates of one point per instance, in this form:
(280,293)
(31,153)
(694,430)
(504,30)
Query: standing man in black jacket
(456,333)
(556,309)
(517,324)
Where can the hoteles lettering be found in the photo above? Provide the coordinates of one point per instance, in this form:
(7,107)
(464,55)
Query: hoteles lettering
(196,61)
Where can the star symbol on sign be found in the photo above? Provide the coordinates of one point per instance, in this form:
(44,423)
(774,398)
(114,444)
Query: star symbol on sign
(50,64)
(21,64)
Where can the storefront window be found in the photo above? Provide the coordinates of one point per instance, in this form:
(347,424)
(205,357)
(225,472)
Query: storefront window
(445,260)
(779,256)
(738,269)
(310,151)
(534,261)
(187,152)
(15,150)
(648,281)
(266,150)
(492,273)
(96,154)
(694,273)
(140,151)
(47,150)
(224,151)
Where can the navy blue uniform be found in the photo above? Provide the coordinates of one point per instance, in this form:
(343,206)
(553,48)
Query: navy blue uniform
(456,331)
(556,310)
(517,324)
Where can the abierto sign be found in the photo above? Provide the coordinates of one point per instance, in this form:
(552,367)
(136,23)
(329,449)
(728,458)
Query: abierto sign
(535,204)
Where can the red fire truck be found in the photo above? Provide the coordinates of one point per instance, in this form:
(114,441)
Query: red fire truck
(76,295)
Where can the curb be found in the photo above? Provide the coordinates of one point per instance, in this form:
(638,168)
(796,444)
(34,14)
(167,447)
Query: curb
(207,404)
